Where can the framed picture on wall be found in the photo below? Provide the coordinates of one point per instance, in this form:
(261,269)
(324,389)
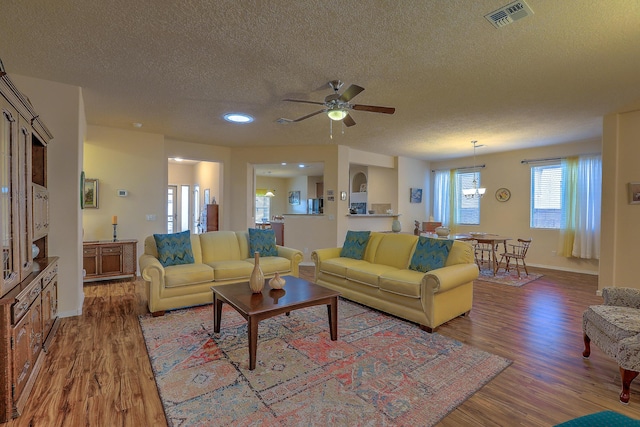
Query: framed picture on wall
(294,197)
(415,195)
(90,193)
(634,193)
(207,196)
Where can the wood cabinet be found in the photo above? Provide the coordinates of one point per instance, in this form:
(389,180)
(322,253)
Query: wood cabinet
(28,317)
(104,260)
(210,218)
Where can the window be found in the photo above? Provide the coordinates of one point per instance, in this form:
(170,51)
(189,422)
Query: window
(467,211)
(546,196)
(263,205)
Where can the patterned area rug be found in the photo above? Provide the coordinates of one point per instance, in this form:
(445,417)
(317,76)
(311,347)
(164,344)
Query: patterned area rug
(382,371)
(507,278)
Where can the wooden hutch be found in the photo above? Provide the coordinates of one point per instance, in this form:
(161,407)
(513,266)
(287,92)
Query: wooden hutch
(28,280)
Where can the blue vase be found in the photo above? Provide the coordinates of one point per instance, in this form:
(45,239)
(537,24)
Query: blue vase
(396,226)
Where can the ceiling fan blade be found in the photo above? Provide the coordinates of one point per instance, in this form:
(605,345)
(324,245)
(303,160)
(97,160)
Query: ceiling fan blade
(306,102)
(348,121)
(374,109)
(350,93)
(285,121)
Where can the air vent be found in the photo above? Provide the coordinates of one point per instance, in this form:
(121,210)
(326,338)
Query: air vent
(509,14)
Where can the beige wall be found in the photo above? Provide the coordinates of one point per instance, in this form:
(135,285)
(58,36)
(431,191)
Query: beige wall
(620,220)
(511,218)
(133,161)
(413,173)
(61,108)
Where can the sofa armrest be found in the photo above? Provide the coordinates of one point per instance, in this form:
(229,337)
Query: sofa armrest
(294,255)
(446,278)
(622,297)
(320,255)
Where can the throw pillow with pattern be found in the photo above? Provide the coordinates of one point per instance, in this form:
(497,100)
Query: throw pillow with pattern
(263,241)
(174,249)
(354,244)
(430,254)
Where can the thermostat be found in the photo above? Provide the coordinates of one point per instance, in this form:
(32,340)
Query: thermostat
(123,193)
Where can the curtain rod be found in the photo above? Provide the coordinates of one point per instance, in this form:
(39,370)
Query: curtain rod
(550,159)
(459,169)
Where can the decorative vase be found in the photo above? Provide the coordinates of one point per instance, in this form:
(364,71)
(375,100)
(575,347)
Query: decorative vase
(277,282)
(396,226)
(443,231)
(35,250)
(256,281)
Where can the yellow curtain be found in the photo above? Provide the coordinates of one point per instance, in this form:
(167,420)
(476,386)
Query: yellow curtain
(570,200)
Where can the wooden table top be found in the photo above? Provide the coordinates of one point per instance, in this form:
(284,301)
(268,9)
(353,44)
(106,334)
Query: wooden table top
(296,291)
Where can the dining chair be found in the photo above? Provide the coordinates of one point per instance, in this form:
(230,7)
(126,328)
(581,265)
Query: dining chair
(482,251)
(516,252)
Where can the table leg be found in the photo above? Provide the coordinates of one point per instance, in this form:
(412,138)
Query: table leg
(495,261)
(253,342)
(333,318)
(217,313)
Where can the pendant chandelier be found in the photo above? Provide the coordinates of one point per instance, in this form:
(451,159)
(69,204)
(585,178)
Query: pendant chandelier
(474,192)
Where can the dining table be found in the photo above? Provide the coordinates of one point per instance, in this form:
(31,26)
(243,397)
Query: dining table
(488,238)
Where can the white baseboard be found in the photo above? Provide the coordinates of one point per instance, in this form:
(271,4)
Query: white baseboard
(72,313)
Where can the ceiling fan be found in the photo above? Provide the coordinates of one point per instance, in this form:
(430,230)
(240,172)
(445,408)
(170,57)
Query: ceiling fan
(337,106)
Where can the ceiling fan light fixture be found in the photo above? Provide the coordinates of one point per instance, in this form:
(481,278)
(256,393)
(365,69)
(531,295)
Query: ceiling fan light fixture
(238,118)
(269,194)
(337,114)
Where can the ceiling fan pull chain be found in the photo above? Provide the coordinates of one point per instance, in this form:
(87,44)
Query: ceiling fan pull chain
(330,129)
(342,121)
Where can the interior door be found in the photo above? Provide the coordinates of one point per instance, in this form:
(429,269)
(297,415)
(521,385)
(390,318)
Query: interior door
(172,208)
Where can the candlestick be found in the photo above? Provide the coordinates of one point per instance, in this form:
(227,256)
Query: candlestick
(114,219)
(115,234)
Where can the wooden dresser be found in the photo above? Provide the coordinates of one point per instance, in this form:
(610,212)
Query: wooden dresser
(106,259)
(28,275)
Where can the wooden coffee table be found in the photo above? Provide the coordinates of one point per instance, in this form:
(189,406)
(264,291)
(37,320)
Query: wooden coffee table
(297,293)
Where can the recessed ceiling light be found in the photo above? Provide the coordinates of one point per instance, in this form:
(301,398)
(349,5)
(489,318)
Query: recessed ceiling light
(284,163)
(238,118)
(177,159)
(137,125)
(300,166)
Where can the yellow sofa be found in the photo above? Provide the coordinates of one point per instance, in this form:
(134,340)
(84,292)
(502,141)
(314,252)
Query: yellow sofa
(383,280)
(221,257)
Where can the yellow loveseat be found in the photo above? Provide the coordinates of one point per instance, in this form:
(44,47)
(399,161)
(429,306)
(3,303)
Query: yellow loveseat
(382,279)
(221,257)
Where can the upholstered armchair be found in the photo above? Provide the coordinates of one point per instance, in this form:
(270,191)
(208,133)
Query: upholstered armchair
(615,328)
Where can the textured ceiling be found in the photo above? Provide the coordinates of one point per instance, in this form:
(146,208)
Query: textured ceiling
(178,67)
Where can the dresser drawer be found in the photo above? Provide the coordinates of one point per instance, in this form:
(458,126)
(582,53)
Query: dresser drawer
(25,299)
(108,250)
(49,274)
(90,251)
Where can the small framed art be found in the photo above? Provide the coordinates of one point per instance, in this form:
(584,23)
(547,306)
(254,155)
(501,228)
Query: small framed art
(90,193)
(415,195)
(294,197)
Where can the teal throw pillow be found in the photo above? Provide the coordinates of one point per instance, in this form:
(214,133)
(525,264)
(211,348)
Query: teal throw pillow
(263,241)
(174,249)
(354,244)
(430,254)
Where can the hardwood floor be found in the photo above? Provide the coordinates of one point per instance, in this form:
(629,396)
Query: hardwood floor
(99,372)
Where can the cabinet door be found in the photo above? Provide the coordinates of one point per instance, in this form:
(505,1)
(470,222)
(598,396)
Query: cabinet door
(25,207)
(40,211)
(49,306)
(90,261)
(35,339)
(10,259)
(22,365)
(110,259)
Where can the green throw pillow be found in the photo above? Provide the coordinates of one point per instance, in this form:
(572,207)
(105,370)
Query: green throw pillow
(354,244)
(263,241)
(430,254)
(174,249)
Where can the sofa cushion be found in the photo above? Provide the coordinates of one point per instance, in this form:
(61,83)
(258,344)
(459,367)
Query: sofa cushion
(187,274)
(231,270)
(395,250)
(262,241)
(430,254)
(272,264)
(220,246)
(367,274)
(174,249)
(616,322)
(338,266)
(354,244)
(402,282)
